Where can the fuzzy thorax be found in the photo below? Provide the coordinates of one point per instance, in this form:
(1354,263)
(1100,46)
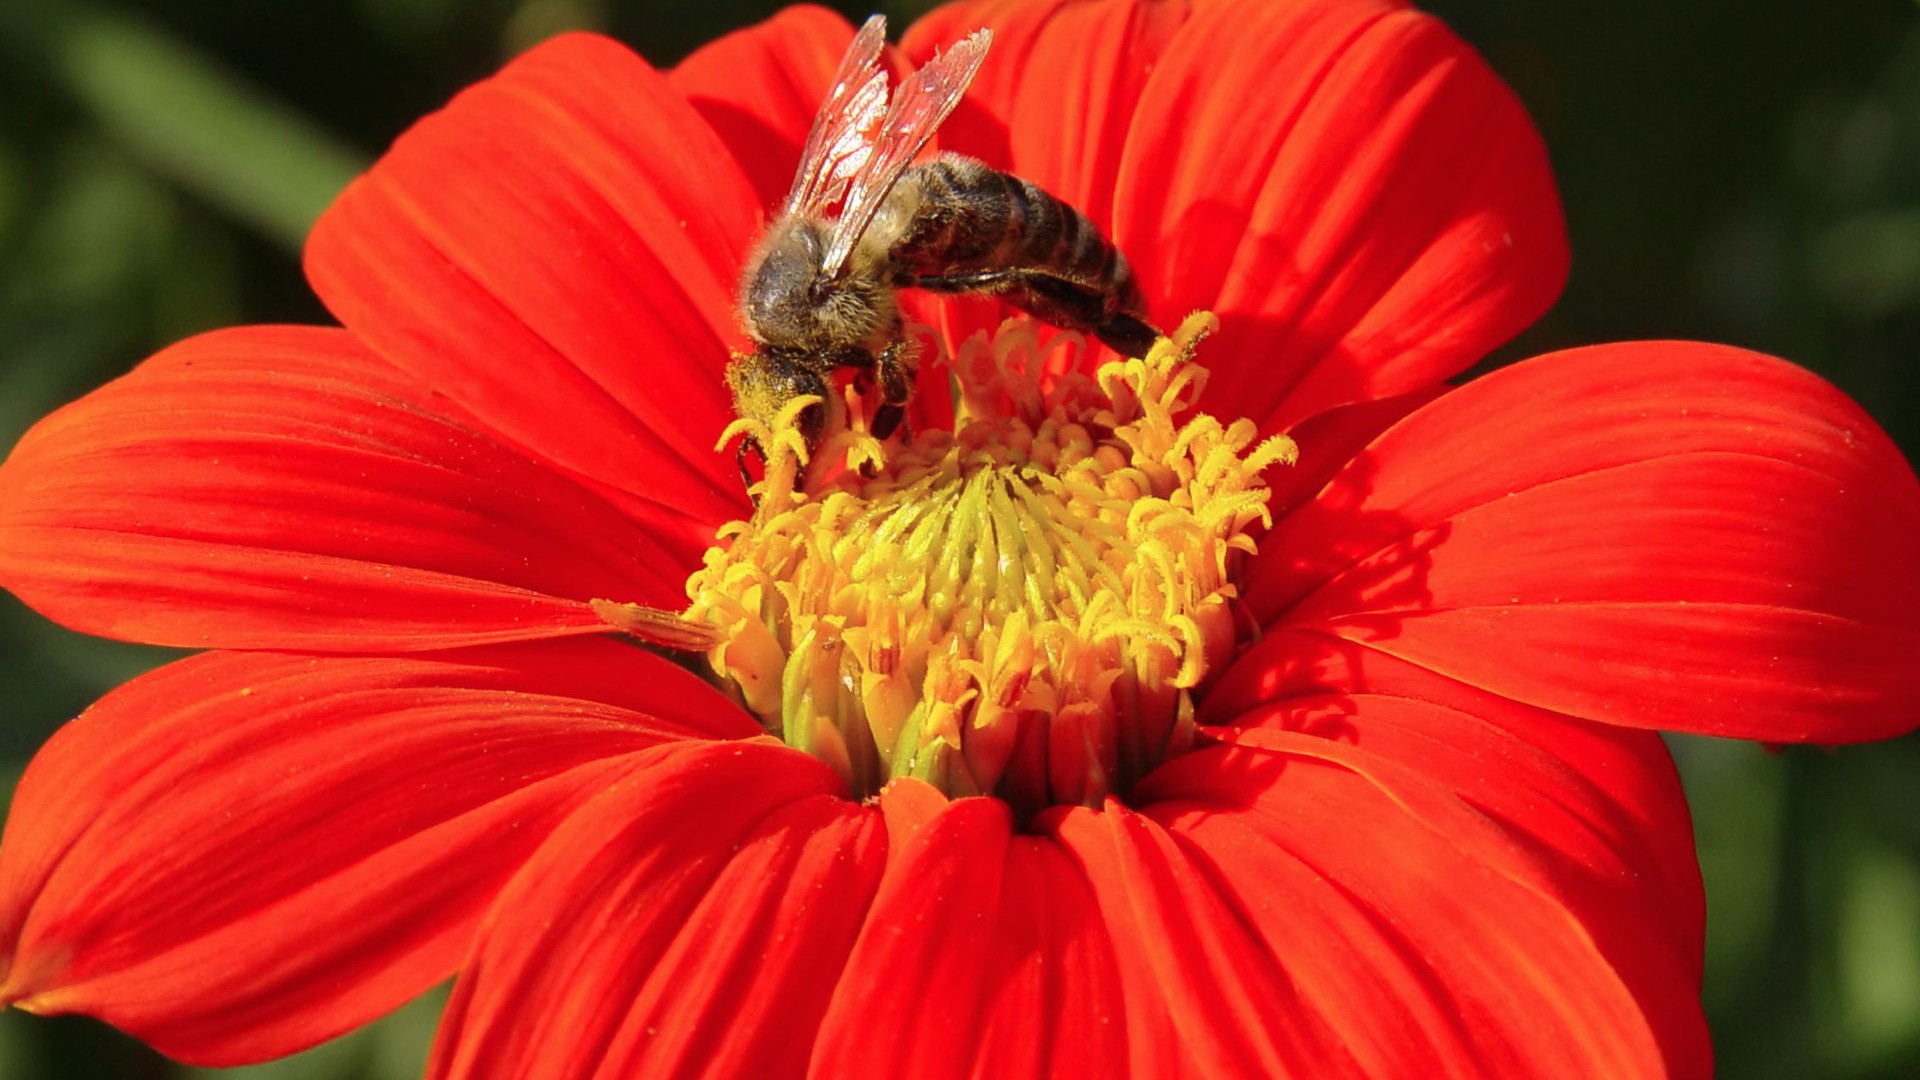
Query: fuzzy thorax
(1021,607)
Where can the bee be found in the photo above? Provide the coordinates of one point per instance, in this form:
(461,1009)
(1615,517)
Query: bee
(818,292)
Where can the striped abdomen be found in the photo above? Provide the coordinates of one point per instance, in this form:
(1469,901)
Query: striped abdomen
(964,227)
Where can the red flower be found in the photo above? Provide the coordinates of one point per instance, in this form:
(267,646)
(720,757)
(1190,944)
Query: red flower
(1424,827)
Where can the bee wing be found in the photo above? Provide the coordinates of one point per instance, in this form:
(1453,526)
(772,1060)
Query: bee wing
(922,103)
(843,131)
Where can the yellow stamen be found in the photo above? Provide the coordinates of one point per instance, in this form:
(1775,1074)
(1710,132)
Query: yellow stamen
(1020,607)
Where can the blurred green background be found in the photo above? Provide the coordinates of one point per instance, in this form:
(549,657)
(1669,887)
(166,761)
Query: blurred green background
(1734,171)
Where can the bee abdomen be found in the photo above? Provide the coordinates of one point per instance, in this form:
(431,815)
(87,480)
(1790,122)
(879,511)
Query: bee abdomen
(998,219)
(961,214)
(974,228)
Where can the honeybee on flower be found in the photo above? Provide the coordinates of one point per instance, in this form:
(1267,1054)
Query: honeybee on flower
(1261,705)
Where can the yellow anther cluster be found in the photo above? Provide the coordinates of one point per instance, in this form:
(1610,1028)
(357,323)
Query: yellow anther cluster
(1021,606)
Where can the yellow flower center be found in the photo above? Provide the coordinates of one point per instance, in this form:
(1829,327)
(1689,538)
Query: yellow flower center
(1022,607)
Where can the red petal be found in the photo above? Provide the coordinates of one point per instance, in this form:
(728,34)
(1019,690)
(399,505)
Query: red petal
(1328,441)
(1361,200)
(983,956)
(557,251)
(1053,103)
(1053,1001)
(690,920)
(1599,796)
(1426,934)
(240,855)
(1057,96)
(1297,168)
(1661,535)
(281,488)
(1347,185)
(759,89)
(1204,995)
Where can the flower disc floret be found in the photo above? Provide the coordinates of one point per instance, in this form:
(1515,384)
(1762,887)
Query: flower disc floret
(1023,606)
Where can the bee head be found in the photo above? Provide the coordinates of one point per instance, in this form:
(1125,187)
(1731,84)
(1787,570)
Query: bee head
(766,380)
(790,302)
(782,280)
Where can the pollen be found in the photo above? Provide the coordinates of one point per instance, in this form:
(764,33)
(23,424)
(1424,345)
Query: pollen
(1023,606)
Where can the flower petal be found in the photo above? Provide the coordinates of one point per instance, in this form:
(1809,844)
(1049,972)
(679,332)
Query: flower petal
(1440,943)
(690,920)
(1350,187)
(983,956)
(1057,95)
(242,854)
(760,87)
(1329,440)
(1666,535)
(1204,995)
(1053,103)
(556,251)
(1346,184)
(1599,796)
(279,487)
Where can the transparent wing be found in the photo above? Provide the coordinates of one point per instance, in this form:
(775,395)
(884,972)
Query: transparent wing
(844,130)
(922,103)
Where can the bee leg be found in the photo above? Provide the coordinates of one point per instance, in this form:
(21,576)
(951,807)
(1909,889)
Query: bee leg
(986,281)
(1058,300)
(1128,335)
(746,478)
(1069,303)
(893,370)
